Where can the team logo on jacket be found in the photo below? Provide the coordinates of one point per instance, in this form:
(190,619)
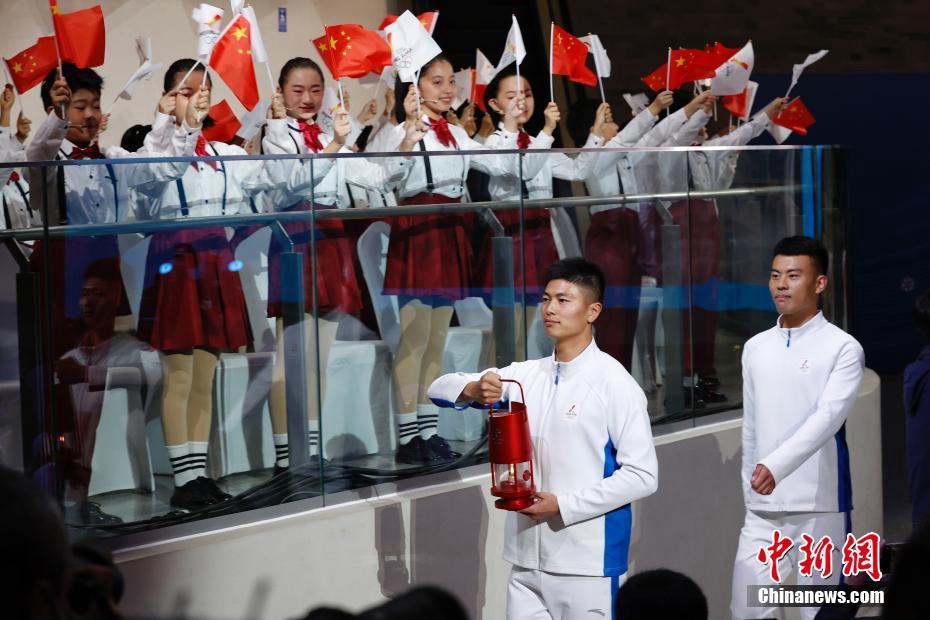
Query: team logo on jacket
(805,366)
(571,413)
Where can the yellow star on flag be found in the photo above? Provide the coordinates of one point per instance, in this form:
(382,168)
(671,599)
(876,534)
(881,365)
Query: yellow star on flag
(680,62)
(239,33)
(332,43)
(322,46)
(17,68)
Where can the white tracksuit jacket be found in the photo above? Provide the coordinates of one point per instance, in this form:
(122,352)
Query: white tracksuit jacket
(798,387)
(592,448)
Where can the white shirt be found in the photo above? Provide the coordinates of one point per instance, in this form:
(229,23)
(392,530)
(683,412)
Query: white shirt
(539,170)
(323,181)
(11,150)
(448,172)
(226,189)
(798,388)
(100,193)
(17,211)
(614,167)
(592,448)
(712,170)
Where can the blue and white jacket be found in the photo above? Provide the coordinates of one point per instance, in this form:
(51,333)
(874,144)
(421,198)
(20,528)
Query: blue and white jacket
(798,388)
(592,448)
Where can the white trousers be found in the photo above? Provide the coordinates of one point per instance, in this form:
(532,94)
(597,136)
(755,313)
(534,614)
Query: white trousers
(537,595)
(757,533)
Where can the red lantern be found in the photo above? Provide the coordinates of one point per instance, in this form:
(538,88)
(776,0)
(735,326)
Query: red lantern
(511,454)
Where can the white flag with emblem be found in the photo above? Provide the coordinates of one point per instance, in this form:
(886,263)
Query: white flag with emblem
(514,50)
(209,25)
(411,45)
(732,76)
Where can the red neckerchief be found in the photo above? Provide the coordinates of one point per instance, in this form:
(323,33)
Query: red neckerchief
(443,133)
(311,133)
(14,177)
(91,152)
(523,139)
(201,151)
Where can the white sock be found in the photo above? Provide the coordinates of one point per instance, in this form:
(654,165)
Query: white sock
(428,420)
(198,457)
(313,442)
(407,427)
(281,450)
(181,464)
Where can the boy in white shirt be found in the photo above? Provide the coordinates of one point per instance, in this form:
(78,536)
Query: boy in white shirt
(593,455)
(800,380)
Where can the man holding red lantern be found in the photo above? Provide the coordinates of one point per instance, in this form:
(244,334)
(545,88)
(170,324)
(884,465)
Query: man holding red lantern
(593,455)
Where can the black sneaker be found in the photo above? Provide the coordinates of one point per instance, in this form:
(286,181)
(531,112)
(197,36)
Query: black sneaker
(212,489)
(278,470)
(89,513)
(709,382)
(192,496)
(441,449)
(415,452)
(709,395)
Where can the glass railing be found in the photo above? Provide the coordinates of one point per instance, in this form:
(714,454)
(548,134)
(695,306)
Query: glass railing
(193,338)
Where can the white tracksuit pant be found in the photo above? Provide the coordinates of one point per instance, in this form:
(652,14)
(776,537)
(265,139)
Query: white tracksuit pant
(757,533)
(538,595)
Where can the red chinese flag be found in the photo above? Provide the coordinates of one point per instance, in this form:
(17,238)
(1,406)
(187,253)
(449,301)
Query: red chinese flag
(796,117)
(225,124)
(690,66)
(656,79)
(30,66)
(737,104)
(81,36)
(568,57)
(720,52)
(232,60)
(352,51)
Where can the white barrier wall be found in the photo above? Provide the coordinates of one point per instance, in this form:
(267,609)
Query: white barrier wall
(355,554)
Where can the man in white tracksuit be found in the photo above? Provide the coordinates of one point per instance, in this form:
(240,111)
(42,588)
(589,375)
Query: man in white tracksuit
(800,380)
(593,455)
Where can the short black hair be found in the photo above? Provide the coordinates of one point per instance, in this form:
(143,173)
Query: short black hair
(179,68)
(402,88)
(581,272)
(298,63)
(800,245)
(77,79)
(660,593)
(134,138)
(922,313)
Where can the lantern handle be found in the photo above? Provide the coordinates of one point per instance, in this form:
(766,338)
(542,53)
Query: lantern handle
(522,395)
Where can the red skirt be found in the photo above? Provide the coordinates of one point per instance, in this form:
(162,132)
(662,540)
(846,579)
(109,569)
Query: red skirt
(337,287)
(538,256)
(193,294)
(429,255)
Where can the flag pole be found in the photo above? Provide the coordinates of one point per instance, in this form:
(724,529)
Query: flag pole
(342,100)
(51,9)
(274,86)
(551,44)
(416,90)
(597,67)
(9,78)
(188,74)
(668,76)
(517,61)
